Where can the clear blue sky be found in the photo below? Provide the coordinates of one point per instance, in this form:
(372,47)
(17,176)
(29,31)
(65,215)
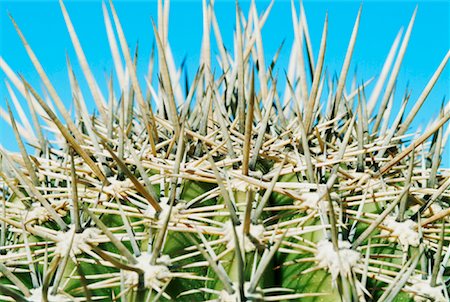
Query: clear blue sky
(43,25)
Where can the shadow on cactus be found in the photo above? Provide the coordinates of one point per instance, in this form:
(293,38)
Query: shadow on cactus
(228,191)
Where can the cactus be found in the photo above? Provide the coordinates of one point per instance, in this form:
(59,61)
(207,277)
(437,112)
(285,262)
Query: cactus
(229,190)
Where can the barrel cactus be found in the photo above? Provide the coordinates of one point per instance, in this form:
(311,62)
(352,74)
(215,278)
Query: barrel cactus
(228,188)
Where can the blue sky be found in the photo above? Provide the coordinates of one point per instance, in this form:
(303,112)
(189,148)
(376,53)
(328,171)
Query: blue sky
(43,26)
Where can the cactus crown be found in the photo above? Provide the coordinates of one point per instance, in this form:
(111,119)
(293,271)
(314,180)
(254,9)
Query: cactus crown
(229,190)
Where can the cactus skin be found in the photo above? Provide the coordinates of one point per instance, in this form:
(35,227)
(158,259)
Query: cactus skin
(232,198)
